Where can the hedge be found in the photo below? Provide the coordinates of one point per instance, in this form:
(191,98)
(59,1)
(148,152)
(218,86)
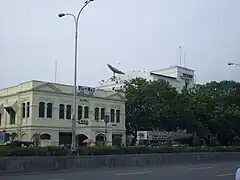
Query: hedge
(58,151)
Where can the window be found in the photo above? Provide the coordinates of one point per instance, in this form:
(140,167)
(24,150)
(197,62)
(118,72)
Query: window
(96,113)
(86,112)
(102,113)
(28,109)
(61,111)
(41,109)
(12,114)
(23,110)
(118,116)
(49,110)
(112,115)
(80,112)
(68,112)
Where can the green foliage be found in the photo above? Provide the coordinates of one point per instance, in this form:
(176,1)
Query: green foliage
(57,151)
(209,110)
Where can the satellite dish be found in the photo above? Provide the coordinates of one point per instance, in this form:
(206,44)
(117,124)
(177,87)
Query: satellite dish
(114,70)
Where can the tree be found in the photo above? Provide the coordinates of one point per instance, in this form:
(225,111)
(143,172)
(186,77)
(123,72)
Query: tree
(13,137)
(214,110)
(208,110)
(149,105)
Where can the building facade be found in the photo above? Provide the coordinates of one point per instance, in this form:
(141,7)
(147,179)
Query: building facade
(179,77)
(44,108)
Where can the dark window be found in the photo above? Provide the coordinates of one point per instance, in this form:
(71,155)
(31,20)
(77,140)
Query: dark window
(12,114)
(85,112)
(41,109)
(80,112)
(45,137)
(118,116)
(61,111)
(49,110)
(28,109)
(102,113)
(97,114)
(112,115)
(68,112)
(23,110)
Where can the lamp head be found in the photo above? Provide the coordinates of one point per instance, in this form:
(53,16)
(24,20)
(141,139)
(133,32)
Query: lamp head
(230,64)
(61,15)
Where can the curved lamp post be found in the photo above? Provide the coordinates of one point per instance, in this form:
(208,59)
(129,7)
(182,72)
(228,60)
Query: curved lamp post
(76,20)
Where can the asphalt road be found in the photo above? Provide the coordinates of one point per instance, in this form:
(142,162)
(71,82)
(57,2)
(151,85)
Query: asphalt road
(219,171)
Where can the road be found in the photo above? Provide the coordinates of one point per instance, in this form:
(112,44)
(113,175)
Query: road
(219,171)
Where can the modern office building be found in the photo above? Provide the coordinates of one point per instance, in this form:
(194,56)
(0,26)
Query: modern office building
(45,108)
(179,77)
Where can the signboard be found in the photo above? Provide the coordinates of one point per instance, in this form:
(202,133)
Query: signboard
(85,90)
(187,76)
(159,135)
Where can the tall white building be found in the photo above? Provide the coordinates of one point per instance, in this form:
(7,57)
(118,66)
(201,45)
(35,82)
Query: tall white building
(178,77)
(46,108)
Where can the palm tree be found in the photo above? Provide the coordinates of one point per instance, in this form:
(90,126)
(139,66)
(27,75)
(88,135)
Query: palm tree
(36,139)
(13,137)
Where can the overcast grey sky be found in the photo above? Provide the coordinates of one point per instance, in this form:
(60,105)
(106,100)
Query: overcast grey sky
(129,34)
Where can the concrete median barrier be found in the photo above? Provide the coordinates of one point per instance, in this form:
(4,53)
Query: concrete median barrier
(10,165)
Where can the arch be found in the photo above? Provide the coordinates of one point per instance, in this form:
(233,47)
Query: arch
(45,136)
(80,138)
(24,137)
(100,139)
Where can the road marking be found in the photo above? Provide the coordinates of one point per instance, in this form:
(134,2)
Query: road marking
(134,173)
(200,168)
(223,175)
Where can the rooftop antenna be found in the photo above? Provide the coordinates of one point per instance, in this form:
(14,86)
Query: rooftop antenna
(55,75)
(180,58)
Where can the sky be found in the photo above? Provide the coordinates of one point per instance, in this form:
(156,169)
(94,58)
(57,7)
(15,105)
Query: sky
(129,34)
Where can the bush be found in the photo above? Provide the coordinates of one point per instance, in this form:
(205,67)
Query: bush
(58,151)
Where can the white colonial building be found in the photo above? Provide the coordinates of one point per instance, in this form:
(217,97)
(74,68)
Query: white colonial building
(46,108)
(179,77)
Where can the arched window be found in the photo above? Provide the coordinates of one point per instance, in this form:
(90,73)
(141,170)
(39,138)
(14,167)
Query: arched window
(45,137)
(41,109)
(118,116)
(28,109)
(97,113)
(61,111)
(112,115)
(68,112)
(102,113)
(49,110)
(80,109)
(23,110)
(86,112)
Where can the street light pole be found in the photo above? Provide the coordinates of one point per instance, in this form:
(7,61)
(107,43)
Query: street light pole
(76,20)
